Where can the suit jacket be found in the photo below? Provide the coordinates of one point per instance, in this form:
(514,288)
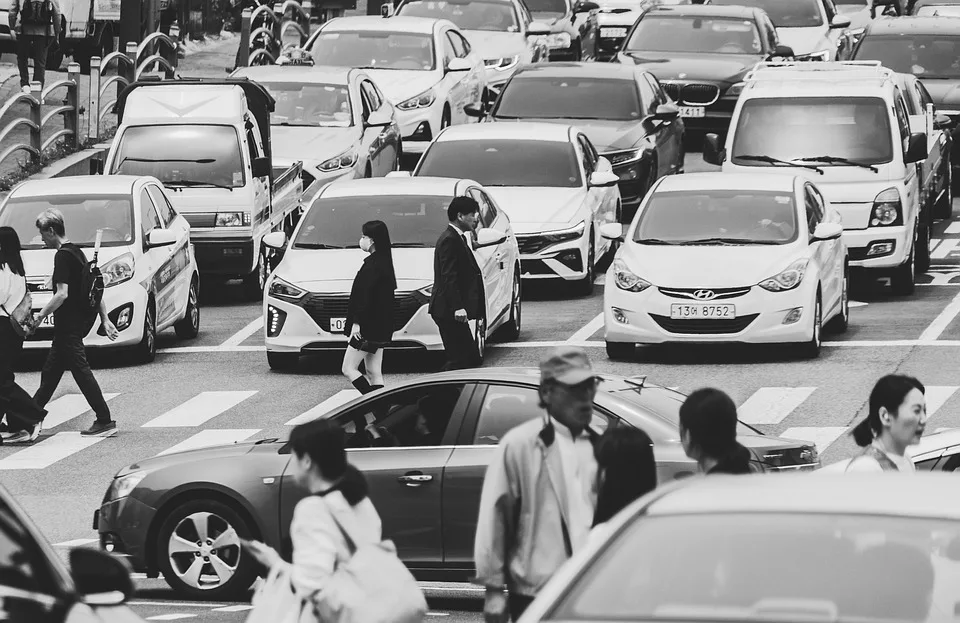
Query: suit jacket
(372,299)
(457,280)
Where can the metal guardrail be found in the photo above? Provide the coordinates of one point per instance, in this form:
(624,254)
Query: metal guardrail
(264,44)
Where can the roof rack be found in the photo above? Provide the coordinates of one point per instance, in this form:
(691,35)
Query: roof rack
(855,69)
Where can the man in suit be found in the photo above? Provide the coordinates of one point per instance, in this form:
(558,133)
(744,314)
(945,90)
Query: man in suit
(457,294)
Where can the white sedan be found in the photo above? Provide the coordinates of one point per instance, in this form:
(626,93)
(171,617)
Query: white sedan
(308,293)
(549,178)
(424,66)
(720,257)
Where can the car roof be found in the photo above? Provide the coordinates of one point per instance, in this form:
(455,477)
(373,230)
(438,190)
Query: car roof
(398,23)
(819,79)
(728,181)
(520,131)
(316,74)
(706,10)
(79,184)
(578,70)
(429,186)
(912,24)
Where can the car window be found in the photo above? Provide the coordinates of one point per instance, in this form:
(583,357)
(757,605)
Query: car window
(504,162)
(814,214)
(911,101)
(923,94)
(772,39)
(449,51)
(414,417)
(830,8)
(167,213)
(659,97)
(488,214)
(588,164)
(460,43)
(372,96)
(648,96)
(252,144)
(148,214)
(23,566)
(903,121)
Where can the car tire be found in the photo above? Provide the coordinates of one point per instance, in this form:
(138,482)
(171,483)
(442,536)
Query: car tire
(254,283)
(182,526)
(511,330)
(944,209)
(811,349)
(189,327)
(840,322)
(904,276)
(585,285)
(397,164)
(620,351)
(146,350)
(922,263)
(282,361)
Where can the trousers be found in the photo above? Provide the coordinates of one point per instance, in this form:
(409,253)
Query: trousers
(68,353)
(21,409)
(458,344)
(35,47)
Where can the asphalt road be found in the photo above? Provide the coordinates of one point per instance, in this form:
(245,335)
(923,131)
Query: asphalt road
(60,483)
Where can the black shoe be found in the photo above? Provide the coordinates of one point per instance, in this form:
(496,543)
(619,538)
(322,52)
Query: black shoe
(100,429)
(362,384)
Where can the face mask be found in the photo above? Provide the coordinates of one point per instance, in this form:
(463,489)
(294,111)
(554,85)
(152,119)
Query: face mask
(365,244)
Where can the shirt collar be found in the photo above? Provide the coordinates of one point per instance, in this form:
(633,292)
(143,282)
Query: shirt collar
(457,229)
(562,429)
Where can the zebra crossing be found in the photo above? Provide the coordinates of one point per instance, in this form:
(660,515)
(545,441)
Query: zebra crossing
(768,408)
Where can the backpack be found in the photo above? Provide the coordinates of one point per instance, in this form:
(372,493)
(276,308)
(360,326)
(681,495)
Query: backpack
(91,283)
(36,13)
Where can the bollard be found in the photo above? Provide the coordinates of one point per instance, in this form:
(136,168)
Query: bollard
(132,66)
(93,114)
(116,45)
(36,118)
(71,118)
(243,53)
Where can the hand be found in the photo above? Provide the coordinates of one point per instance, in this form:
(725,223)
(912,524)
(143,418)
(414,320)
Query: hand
(355,331)
(495,607)
(265,555)
(460,315)
(111,330)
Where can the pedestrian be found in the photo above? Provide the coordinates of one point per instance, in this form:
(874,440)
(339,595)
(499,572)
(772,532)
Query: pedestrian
(708,433)
(626,470)
(539,491)
(72,322)
(36,26)
(23,414)
(457,295)
(369,322)
(896,419)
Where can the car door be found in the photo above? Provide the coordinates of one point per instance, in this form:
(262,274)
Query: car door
(153,258)
(492,263)
(390,135)
(937,142)
(912,181)
(372,138)
(592,209)
(176,269)
(454,81)
(824,252)
(475,79)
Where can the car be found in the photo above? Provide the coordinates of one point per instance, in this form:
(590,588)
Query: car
(813,29)
(700,54)
(501,31)
(623,111)
(616,18)
(700,550)
(333,119)
(725,257)
(557,205)
(935,8)
(937,452)
(573,27)
(150,274)
(426,68)
(439,433)
(309,291)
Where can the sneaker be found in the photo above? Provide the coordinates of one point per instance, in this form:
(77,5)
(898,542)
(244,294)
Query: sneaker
(23,436)
(25,89)
(100,429)
(35,433)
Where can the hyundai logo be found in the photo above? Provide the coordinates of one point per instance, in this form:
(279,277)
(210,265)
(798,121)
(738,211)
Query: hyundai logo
(704,295)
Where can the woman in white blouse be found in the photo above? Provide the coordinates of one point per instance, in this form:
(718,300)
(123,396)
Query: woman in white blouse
(896,419)
(337,501)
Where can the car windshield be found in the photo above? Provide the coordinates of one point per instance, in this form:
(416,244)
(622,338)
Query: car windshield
(570,98)
(375,49)
(158,150)
(310,105)
(504,162)
(335,222)
(716,567)
(798,128)
(466,14)
(942,10)
(925,56)
(546,6)
(665,404)
(83,215)
(718,217)
(702,35)
(784,13)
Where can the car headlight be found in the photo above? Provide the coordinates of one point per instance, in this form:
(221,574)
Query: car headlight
(344,161)
(887,209)
(423,100)
(122,486)
(626,279)
(735,90)
(557,40)
(232,219)
(284,290)
(565,235)
(822,55)
(118,270)
(625,157)
(788,279)
(502,64)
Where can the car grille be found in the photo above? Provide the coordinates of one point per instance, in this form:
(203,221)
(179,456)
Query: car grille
(719,293)
(692,94)
(201,219)
(323,307)
(532,244)
(704,327)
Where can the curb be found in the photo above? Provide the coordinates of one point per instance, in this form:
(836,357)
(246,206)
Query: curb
(72,165)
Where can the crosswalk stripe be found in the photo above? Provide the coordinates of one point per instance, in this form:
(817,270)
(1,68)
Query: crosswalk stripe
(65,408)
(770,405)
(48,451)
(75,543)
(237,608)
(953,228)
(202,407)
(937,396)
(944,248)
(342,397)
(171,617)
(212,437)
(820,436)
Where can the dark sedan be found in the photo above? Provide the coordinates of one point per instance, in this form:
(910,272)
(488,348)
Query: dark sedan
(573,27)
(183,514)
(700,54)
(622,110)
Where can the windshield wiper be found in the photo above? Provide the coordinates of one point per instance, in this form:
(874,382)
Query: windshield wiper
(727,241)
(195,184)
(314,245)
(772,160)
(657,241)
(190,160)
(836,160)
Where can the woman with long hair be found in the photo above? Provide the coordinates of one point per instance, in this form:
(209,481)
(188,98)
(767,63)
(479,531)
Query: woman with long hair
(626,470)
(708,432)
(369,322)
(896,419)
(23,414)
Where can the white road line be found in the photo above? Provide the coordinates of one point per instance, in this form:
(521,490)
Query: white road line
(602,279)
(240,608)
(49,451)
(937,396)
(588,329)
(202,407)
(189,350)
(237,338)
(65,408)
(342,397)
(212,437)
(820,436)
(853,303)
(934,242)
(953,228)
(944,249)
(770,405)
(941,322)
(171,617)
(76,543)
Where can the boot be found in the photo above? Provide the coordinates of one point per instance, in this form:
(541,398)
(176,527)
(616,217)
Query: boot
(374,388)
(362,385)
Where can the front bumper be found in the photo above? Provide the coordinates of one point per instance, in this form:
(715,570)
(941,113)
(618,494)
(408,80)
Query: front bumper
(123,526)
(564,260)
(860,241)
(717,108)
(420,126)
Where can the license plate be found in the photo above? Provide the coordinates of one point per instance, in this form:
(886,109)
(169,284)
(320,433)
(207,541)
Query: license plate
(613,33)
(679,311)
(694,112)
(47,322)
(337,325)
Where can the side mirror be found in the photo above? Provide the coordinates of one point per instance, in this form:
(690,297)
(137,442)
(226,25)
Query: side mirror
(275,240)
(398,174)
(942,122)
(386,10)
(666,112)
(828,231)
(917,149)
(840,21)
(538,29)
(379,118)
(603,179)
(712,152)
(473,111)
(585,6)
(161,238)
(459,64)
(612,231)
(101,579)
(783,51)
(488,237)
(261,167)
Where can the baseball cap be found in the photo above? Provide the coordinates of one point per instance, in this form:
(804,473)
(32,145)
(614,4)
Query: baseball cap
(568,365)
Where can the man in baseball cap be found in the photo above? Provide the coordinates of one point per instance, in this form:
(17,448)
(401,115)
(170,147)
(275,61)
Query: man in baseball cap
(539,492)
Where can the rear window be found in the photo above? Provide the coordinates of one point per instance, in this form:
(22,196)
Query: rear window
(504,162)
(570,98)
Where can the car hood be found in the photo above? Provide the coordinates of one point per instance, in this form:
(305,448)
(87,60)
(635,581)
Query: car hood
(311,144)
(805,40)
(491,44)
(198,455)
(399,85)
(605,135)
(333,270)
(945,93)
(535,210)
(727,68)
(39,262)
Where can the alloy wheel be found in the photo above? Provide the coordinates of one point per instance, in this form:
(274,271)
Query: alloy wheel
(204,550)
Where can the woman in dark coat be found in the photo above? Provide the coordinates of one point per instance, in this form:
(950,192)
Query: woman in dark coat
(369,321)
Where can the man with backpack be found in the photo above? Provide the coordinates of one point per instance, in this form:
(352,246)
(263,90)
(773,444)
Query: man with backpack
(77,300)
(36,26)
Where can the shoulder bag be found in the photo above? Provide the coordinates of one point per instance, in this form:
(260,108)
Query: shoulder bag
(21,315)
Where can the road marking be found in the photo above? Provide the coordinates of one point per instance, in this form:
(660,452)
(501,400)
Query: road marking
(171,617)
(944,249)
(238,338)
(342,397)
(857,304)
(65,408)
(49,451)
(953,228)
(820,436)
(202,407)
(941,322)
(602,279)
(243,608)
(588,329)
(212,437)
(937,396)
(76,543)
(770,405)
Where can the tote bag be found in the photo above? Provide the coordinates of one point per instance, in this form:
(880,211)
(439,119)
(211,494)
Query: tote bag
(276,601)
(20,315)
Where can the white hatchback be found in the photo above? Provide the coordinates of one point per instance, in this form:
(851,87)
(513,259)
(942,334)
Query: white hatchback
(720,257)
